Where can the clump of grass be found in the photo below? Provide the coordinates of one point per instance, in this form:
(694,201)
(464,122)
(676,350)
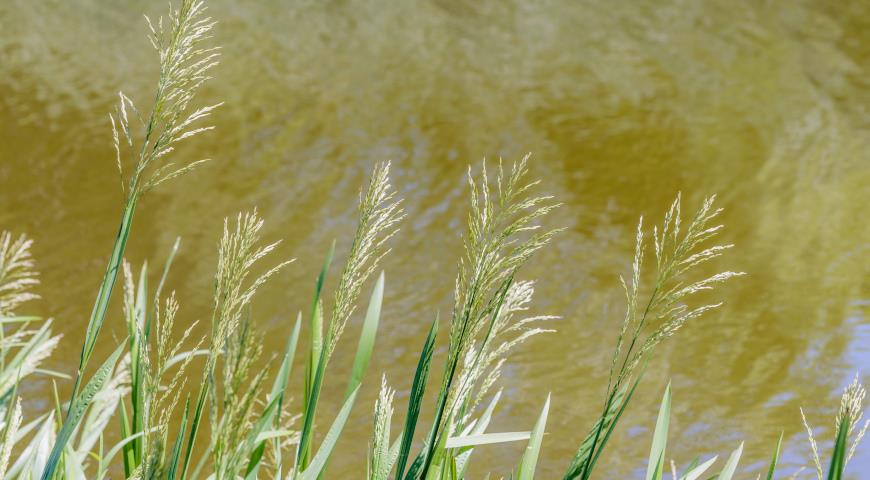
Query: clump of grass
(155,351)
(678,250)
(379,214)
(656,465)
(502,235)
(184,67)
(233,347)
(239,427)
(848,433)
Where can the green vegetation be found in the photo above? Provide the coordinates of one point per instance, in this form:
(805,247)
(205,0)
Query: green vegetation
(240,422)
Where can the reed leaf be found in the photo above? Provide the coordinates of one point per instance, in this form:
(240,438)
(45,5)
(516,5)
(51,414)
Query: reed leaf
(695,472)
(318,463)
(529,461)
(730,468)
(655,466)
(415,399)
(75,415)
(771,470)
(367,336)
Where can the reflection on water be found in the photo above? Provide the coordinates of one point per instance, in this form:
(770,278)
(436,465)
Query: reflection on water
(624,103)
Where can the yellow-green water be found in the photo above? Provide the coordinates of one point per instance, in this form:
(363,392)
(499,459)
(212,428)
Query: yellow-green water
(624,103)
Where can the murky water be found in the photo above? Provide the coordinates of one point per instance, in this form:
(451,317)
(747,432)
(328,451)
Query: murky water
(624,104)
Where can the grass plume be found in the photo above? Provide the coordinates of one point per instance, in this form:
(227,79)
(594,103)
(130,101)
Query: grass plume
(242,422)
(849,432)
(678,251)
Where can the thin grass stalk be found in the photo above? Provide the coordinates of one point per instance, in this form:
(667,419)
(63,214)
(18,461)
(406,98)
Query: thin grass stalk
(104,294)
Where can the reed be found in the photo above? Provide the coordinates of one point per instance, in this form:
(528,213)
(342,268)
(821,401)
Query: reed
(849,432)
(647,322)
(240,422)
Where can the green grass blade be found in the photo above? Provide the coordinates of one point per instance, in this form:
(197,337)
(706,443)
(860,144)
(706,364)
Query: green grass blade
(316,324)
(367,337)
(526,470)
(660,438)
(254,442)
(304,446)
(775,459)
(695,471)
(314,369)
(838,456)
(279,387)
(19,319)
(166,266)
(415,400)
(480,426)
(104,294)
(106,460)
(486,416)
(138,331)
(194,428)
(175,456)
(276,398)
(623,404)
(76,412)
(731,465)
(127,456)
(322,456)
(485,439)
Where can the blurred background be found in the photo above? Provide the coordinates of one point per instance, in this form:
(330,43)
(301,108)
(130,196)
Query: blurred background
(623,103)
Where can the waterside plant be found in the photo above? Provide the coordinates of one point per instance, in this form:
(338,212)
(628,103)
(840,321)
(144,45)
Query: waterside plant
(240,421)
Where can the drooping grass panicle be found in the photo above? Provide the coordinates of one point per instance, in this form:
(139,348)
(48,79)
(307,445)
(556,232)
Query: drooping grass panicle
(676,256)
(184,66)
(493,251)
(17,272)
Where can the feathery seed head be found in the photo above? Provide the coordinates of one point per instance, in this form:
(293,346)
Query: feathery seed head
(239,250)
(184,67)
(851,405)
(493,249)
(17,274)
(379,215)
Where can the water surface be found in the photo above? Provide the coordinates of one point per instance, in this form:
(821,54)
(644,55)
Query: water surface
(624,103)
